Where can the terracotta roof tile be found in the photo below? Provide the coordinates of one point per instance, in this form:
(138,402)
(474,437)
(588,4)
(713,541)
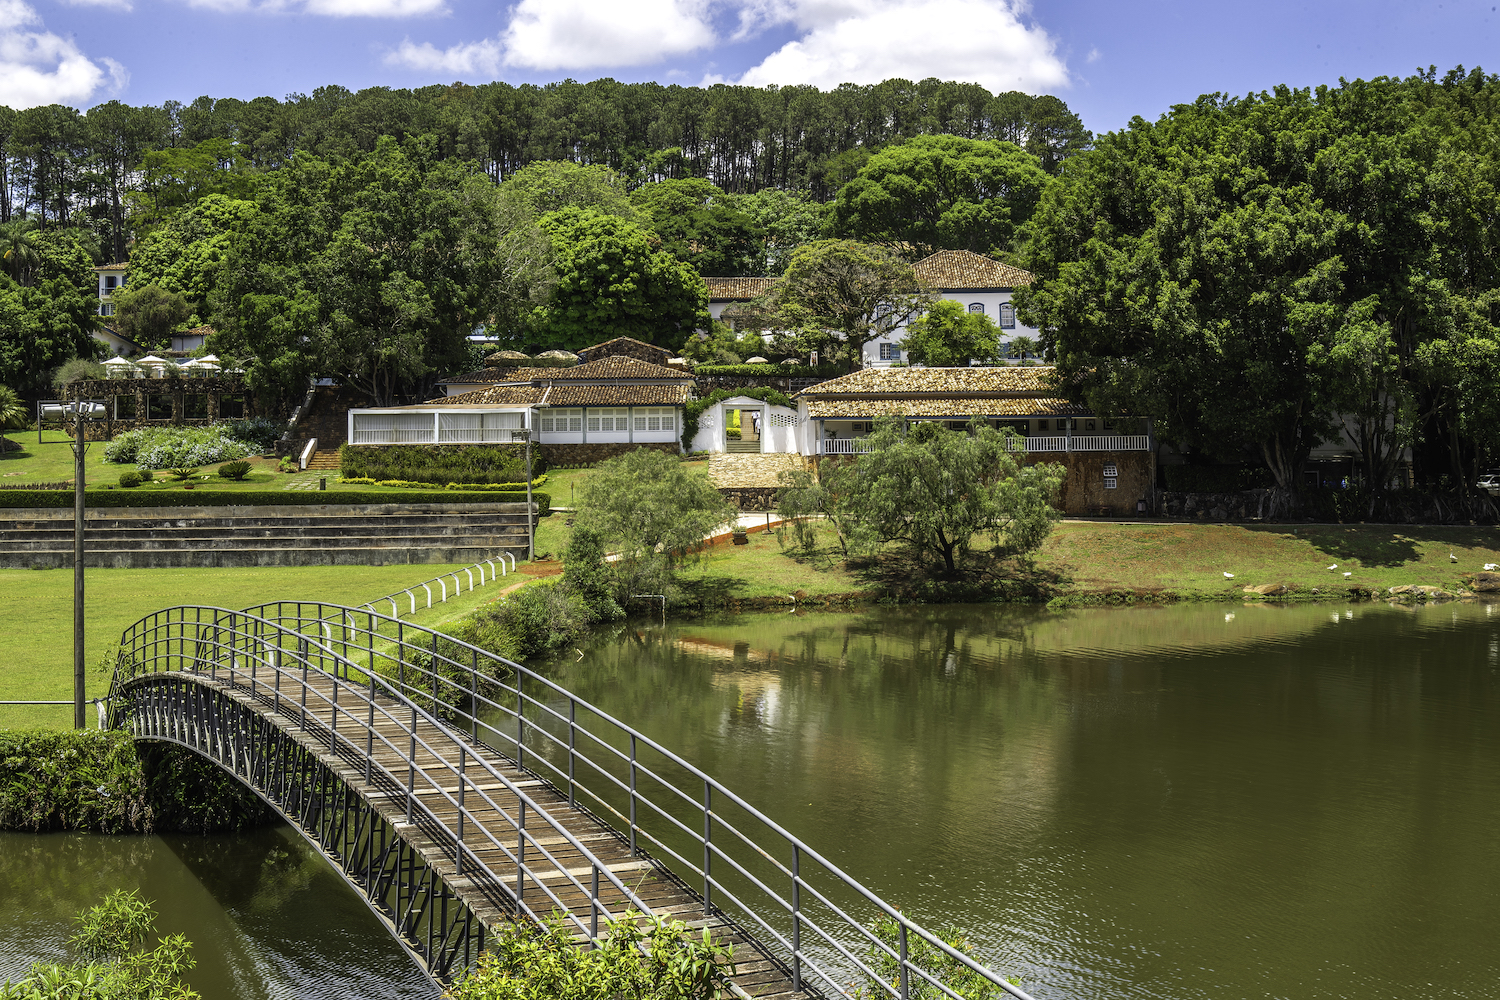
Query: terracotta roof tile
(617,395)
(122,266)
(1004,391)
(954,407)
(720,289)
(612,367)
(627,347)
(962,269)
(1014,380)
(514,395)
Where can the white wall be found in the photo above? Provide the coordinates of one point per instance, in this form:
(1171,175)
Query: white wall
(780,426)
(991,300)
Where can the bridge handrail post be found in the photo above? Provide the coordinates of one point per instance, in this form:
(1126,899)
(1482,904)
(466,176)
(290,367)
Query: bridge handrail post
(474,692)
(796,916)
(521,854)
(458,840)
(632,795)
(594,902)
(905,983)
(708,839)
(370,727)
(411,766)
(520,725)
(572,746)
(333,716)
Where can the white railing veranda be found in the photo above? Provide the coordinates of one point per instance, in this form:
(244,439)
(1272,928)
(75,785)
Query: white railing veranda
(805,911)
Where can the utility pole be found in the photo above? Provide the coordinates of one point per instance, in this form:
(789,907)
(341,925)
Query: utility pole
(80,447)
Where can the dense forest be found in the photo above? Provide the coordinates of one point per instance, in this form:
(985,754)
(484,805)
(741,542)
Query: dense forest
(94,169)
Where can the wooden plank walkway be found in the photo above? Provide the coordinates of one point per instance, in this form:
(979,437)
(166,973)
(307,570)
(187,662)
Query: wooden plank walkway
(437,751)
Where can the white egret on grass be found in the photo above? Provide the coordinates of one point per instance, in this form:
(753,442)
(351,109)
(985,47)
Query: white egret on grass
(1229,576)
(1334,566)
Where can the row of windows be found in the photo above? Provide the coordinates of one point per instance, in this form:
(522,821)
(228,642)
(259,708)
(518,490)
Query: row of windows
(1007,314)
(607,420)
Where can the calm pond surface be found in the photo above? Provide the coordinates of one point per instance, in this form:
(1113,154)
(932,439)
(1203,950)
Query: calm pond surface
(1194,801)
(1187,802)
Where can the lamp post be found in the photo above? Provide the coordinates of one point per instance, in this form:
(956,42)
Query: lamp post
(80,448)
(530,511)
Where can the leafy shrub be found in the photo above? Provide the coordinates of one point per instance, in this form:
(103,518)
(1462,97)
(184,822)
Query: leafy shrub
(111,939)
(478,487)
(653,957)
(259,432)
(463,464)
(946,969)
(287,464)
(77,370)
(234,470)
(130,478)
(146,475)
(175,447)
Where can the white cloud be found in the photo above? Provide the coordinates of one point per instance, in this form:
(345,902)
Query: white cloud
(587,34)
(124,5)
(866,41)
(38,67)
(467,58)
(1094,55)
(328,8)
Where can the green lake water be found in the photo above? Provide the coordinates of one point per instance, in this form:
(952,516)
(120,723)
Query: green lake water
(1186,802)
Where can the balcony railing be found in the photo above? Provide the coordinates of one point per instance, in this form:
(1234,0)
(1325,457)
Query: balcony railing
(845,446)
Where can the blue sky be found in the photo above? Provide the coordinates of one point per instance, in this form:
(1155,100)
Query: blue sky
(1109,60)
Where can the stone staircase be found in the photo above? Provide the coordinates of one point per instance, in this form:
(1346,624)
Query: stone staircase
(736,470)
(294,535)
(324,460)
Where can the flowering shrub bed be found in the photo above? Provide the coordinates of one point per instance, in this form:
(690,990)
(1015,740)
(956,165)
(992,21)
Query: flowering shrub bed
(176,447)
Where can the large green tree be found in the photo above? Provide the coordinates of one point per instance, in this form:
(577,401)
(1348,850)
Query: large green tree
(942,192)
(612,281)
(1258,272)
(372,270)
(700,224)
(836,297)
(948,334)
(42,326)
(936,490)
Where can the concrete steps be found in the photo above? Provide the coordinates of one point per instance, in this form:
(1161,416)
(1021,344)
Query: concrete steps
(312,535)
(324,460)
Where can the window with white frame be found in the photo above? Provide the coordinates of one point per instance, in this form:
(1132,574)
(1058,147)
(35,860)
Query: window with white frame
(562,421)
(1007,316)
(609,420)
(890,352)
(1111,476)
(655,418)
(976,307)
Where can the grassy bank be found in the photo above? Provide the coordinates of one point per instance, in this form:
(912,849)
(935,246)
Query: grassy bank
(1086,562)
(36,615)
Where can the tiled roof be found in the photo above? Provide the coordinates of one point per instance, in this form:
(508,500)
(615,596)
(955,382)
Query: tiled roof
(626,347)
(495,395)
(1006,391)
(612,367)
(962,269)
(122,266)
(1011,380)
(737,288)
(955,407)
(617,395)
(607,368)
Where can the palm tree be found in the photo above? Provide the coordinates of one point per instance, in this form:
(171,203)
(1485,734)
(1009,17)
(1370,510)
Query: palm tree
(18,249)
(12,410)
(1023,348)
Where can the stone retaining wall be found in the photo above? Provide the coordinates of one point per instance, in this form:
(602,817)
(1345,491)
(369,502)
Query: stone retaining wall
(750,497)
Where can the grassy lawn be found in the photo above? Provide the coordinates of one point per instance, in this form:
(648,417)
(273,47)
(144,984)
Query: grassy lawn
(36,615)
(1193,558)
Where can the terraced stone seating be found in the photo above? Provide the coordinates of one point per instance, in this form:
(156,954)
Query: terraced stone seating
(302,535)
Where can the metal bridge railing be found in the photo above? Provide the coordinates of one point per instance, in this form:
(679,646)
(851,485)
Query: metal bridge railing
(809,914)
(280,667)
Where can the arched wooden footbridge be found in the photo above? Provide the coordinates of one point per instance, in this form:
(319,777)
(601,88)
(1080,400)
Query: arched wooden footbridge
(455,790)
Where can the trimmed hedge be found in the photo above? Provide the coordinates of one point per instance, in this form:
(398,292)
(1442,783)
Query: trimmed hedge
(779,371)
(439,463)
(246,498)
